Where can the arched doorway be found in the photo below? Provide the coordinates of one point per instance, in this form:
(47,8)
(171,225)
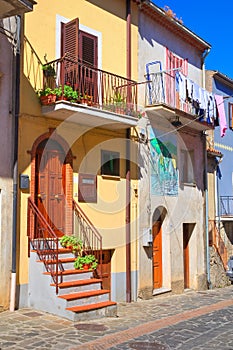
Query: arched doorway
(51,185)
(158,218)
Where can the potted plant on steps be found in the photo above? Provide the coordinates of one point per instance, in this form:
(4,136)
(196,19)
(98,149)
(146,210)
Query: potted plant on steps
(73,243)
(86,262)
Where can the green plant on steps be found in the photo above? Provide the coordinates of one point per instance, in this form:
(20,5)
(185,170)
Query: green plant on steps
(88,262)
(73,243)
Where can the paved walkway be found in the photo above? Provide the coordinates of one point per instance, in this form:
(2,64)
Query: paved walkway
(191,321)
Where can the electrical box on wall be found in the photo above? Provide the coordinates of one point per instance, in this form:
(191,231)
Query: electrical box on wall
(24,182)
(147,237)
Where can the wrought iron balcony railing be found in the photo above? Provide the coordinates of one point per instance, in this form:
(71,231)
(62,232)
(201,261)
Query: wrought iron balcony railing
(77,82)
(226,205)
(177,91)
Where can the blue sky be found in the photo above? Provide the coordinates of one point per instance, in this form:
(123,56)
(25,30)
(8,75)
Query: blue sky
(213,22)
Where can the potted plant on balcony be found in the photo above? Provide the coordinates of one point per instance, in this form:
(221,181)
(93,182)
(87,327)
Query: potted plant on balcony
(48,70)
(86,262)
(47,96)
(119,102)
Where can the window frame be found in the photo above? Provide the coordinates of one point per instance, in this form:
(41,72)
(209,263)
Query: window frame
(187,162)
(116,165)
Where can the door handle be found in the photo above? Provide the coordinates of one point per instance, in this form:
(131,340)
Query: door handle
(41,196)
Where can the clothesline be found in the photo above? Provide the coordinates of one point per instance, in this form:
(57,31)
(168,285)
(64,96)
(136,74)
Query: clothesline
(207,105)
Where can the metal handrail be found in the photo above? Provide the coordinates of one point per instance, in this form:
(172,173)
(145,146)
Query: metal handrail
(32,66)
(90,236)
(43,239)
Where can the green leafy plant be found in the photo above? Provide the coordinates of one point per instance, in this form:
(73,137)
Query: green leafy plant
(45,92)
(72,242)
(89,261)
(68,92)
(58,91)
(48,70)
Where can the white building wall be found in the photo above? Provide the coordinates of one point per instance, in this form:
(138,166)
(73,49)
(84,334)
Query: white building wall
(188,206)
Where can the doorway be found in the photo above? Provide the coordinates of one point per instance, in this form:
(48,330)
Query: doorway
(187,232)
(157,254)
(50,184)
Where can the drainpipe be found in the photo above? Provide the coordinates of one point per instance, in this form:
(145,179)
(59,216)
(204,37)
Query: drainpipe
(206,185)
(205,54)
(128,203)
(15,166)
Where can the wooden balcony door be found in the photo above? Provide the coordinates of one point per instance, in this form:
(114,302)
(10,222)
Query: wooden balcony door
(50,184)
(81,50)
(157,255)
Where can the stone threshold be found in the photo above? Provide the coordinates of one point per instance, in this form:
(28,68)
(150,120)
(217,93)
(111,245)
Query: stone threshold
(161,291)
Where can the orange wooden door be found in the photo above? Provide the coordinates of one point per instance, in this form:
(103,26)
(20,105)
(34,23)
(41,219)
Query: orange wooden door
(50,196)
(106,269)
(157,255)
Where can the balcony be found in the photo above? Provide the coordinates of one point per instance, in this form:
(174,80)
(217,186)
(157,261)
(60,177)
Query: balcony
(226,207)
(167,100)
(15,7)
(88,96)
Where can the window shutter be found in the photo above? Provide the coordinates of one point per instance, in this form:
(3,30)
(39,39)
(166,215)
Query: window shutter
(173,61)
(88,48)
(70,39)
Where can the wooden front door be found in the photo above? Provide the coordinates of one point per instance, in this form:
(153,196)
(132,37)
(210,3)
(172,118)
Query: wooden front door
(50,184)
(157,254)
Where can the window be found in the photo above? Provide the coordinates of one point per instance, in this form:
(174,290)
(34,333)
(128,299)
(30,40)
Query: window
(187,167)
(110,163)
(230,115)
(79,45)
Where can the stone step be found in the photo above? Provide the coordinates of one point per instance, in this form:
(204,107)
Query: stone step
(73,274)
(86,297)
(91,307)
(78,285)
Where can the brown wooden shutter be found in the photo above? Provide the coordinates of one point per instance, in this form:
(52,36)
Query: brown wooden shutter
(88,48)
(70,39)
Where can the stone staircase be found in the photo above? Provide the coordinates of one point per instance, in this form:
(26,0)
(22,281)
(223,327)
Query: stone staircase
(80,296)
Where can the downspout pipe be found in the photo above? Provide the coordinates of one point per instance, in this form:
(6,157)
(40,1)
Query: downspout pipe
(128,176)
(15,165)
(209,285)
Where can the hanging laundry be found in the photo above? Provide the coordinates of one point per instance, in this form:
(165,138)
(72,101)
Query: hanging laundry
(189,89)
(181,85)
(221,114)
(211,109)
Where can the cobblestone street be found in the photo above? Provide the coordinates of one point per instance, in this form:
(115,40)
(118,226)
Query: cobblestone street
(194,320)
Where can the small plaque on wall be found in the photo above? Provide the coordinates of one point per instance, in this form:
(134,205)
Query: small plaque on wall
(87,188)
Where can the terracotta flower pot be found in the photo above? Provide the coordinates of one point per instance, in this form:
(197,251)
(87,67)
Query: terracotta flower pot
(47,100)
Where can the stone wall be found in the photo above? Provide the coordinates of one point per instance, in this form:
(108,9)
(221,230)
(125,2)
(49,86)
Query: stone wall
(218,276)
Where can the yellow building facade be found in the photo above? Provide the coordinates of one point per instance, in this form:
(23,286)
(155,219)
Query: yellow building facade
(85,147)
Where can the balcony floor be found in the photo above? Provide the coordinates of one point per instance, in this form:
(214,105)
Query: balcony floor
(162,114)
(89,116)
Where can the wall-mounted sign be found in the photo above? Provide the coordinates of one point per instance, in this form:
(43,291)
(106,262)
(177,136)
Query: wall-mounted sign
(87,188)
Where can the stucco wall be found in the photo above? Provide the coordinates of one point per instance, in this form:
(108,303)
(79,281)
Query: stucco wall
(187,207)
(6,157)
